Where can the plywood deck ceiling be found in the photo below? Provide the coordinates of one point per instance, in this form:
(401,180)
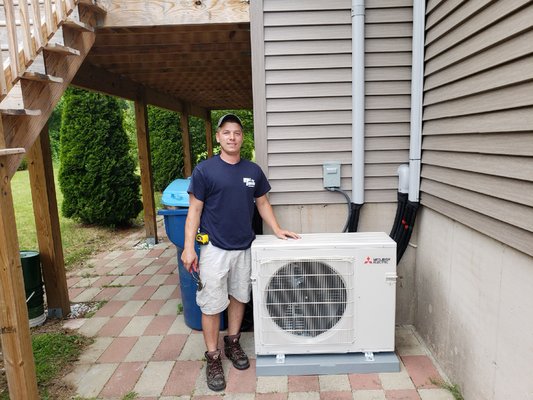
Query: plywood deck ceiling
(206,65)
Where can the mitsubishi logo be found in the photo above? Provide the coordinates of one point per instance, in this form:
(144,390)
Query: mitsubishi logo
(368,260)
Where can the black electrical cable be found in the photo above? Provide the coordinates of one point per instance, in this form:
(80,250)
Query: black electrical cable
(354,217)
(404,221)
(407,222)
(400,210)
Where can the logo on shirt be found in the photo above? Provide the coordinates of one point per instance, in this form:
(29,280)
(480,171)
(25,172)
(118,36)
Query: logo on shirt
(249,182)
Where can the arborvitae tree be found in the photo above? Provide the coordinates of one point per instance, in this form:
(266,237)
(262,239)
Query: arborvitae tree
(165,146)
(54,126)
(97,174)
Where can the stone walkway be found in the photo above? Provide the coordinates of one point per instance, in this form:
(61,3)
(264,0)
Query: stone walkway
(143,345)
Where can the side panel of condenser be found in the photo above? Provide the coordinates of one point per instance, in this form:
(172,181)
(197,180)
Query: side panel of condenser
(375,287)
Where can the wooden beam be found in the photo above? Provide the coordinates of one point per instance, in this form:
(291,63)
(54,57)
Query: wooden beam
(209,135)
(101,80)
(159,12)
(14,326)
(227,57)
(188,48)
(147,183)
(175,36)
(47,224)
(186,140)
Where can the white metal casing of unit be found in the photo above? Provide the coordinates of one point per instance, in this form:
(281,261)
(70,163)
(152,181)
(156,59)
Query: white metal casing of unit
(359,272)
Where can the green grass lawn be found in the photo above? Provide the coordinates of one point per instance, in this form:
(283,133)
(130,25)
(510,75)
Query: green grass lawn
(79,241)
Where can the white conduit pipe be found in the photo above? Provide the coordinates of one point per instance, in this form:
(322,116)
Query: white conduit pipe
(417,91)
(358,101)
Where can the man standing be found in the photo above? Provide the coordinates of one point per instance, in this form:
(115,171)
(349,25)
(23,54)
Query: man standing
(222,194)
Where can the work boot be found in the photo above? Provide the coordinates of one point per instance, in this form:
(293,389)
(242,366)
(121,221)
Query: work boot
(214,371)
(234,352)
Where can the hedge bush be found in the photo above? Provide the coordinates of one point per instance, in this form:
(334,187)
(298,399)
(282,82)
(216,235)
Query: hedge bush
(97,174)
(165,146)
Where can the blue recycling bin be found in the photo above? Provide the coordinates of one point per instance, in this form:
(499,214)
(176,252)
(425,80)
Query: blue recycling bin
(175,199)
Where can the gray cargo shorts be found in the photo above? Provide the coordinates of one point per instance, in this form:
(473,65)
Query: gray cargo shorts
(223,273)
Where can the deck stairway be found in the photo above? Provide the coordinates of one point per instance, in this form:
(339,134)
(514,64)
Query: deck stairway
(43,44)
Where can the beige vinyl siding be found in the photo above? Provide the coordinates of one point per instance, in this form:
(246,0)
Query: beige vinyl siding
(307,89)
(477,160)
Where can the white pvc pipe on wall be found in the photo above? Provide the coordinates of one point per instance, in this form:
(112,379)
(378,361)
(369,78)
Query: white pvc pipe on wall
(417,91)
(358,101)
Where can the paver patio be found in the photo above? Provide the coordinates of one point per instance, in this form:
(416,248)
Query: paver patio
(142,345)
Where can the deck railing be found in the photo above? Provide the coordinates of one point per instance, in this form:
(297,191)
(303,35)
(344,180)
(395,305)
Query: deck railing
(26,28)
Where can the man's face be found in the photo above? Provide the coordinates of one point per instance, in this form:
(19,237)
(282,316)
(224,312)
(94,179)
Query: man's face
(230,137)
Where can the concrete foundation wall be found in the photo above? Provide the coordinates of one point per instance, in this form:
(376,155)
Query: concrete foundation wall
(474,308)
(374,217)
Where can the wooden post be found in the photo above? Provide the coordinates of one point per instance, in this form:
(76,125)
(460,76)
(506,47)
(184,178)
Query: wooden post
(209,135)
(147,183)
(14,325)
(187,159)
(43,194)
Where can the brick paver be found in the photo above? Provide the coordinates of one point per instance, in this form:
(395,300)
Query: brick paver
(364,381)
(333,395)
(334,383)
(118,350)
(137,326)
(95,350)
(182,378)
(123,379)
(93,325)
(144,293)
(409,394)
(154,378)
(170,347)
(151,307)
(304,383)
(94,379)
(160,325)
(106,294)
(369,395)
(422,371)
(269,384)
(241,381)
(114,326)
(110,308)
(87,295)
(144,348)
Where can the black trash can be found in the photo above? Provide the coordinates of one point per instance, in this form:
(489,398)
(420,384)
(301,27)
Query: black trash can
(176,202)
(33,286)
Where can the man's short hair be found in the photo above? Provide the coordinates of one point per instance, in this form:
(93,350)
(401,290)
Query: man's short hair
(229,118)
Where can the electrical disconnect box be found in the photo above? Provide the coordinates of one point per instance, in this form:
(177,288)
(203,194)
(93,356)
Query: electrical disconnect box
(332,174)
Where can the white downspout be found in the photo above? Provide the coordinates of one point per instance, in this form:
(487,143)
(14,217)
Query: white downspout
(417,91)
(358,101)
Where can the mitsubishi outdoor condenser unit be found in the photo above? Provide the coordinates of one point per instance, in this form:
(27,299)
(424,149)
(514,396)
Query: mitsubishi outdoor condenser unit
(324,293)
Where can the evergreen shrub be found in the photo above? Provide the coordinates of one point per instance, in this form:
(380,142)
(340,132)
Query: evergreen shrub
(97,174)
(165,146)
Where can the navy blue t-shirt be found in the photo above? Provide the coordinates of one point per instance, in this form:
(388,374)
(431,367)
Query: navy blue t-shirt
(228,192)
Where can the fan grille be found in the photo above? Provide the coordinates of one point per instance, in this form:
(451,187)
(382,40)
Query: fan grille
(306,297)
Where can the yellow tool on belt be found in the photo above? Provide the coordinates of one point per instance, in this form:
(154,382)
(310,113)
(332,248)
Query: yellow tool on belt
(202,238)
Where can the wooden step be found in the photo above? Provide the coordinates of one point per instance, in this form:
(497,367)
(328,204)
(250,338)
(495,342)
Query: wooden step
(36,76)
(9,152)
(59,48)
(19,112)
(81,26)
(13,104)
